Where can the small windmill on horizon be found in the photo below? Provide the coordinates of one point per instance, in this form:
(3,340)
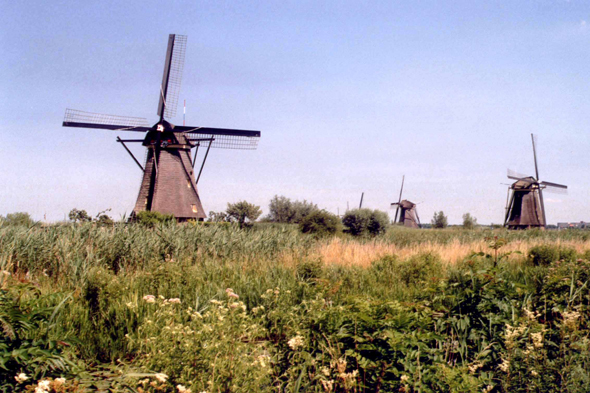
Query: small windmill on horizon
(408,214)
(168,184)
(525,207)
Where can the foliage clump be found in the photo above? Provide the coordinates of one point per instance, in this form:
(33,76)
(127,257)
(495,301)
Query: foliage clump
(152,219)
(545,254)
(439,220)
(469,222)
(365,222)
(320,223)
(17,219)
(284,210)
(244,213)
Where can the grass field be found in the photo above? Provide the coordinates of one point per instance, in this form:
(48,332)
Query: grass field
(215,308)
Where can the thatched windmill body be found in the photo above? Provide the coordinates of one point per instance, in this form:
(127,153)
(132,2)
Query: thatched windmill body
(525,207)
(408,214)
(168,183)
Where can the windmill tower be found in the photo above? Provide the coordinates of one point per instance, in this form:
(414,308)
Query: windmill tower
(409,214)
(168,184)
(525,207)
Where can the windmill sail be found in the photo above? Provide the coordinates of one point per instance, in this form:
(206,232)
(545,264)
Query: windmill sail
(172,77)
(81,119)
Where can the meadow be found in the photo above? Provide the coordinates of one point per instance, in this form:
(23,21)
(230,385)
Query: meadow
(215,308)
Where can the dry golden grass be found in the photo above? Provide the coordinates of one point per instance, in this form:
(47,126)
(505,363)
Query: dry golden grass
(350,252)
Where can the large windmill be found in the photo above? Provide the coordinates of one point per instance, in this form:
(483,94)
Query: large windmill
(409,214)
(525,207)
(168,184)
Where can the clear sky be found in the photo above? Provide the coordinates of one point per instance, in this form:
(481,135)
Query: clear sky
(349,96)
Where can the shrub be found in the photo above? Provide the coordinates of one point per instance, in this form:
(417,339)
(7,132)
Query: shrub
(151,218)
(310,270)
(469,222)
(363,221)
(439,220)
(79,216)
(543,255)
(282,209)
(242,211)
(17,219)
(419,267)
(320,223)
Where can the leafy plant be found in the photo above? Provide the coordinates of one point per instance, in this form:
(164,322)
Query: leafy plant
(439,220)
(151,219)
(320,223)
(243,212)
(365,221)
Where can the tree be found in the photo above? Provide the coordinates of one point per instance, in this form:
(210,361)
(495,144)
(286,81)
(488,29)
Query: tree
(365,221)
(242,211)
(18,218)
(439,220)
(320,223)
(218,217)
(469,222)
(282,209)
(79,216)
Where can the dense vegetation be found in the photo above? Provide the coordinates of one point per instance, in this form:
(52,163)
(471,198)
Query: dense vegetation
(216,308)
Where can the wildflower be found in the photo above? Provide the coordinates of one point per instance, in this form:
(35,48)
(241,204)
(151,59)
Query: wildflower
(174,300)
(39,389)
(161,377)
(182,389)
(474,367)
(537,339)
(326,371)
(487,389)
(44,384)
(570,318)
(505,365)
(6,273)
(22,377)
(230,293)
(295,343)
(404,379)
(328,385)
(534,373)
(59,381)
(149,298)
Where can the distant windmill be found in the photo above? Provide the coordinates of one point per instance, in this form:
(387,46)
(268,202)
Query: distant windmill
(525,208)
(409,213)
(168,184)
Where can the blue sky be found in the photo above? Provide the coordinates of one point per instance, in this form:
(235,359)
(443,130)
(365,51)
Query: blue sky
(349,97)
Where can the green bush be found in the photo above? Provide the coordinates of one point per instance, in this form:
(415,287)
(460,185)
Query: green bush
(320,223)
(365,221)
(17,219)
(310,270)
(419,267)
(151,218)
(543,255)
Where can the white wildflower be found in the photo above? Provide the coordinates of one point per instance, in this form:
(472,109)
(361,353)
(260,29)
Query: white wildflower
(570,318)
(474,367)
(22,377)
(6,273)
(230,292)
(182,389)
(537,339)
(328,385)
(325,371)
(534,373)
(174,300)
(161,377)
(296,342)
(505,365)
(44,384)
(149,298)
(487,389)
(404,379)
(59,381)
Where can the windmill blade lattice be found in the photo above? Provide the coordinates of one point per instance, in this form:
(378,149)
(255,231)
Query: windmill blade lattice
(172,77)
(77,118)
